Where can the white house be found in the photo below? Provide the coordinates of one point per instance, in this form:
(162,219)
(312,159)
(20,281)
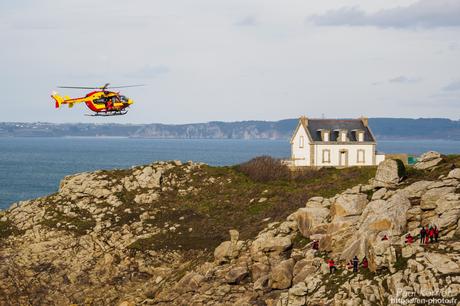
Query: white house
(334,143)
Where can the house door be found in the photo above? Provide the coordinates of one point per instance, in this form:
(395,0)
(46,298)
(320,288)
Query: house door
(343,158)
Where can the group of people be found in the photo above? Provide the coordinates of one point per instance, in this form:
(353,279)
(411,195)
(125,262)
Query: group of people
(426,235)
(352,264)
(429,234)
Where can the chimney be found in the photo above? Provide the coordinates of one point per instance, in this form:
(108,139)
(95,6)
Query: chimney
(365,121)
(304,121)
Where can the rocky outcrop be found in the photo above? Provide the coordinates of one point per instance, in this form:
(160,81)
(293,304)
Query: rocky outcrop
(311,219)
(96,241)
(428,160)
(389,173)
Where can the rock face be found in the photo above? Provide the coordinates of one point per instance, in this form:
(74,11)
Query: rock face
(455,173)
(93,244)
(229,250)
(347,205)
(310,220)
(428,160)
(281,275)
(389,173)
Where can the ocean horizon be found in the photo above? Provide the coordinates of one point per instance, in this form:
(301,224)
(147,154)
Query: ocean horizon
(31,167)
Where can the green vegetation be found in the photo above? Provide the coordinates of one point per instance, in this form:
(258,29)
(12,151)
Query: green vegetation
(142,244)
(449,162)
(7,229)
(209,201)
(79,225)
(300,241)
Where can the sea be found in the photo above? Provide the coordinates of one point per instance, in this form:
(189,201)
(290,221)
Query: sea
(33,167)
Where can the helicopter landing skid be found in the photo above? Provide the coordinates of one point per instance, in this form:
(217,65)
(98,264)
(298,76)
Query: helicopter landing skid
(108,114)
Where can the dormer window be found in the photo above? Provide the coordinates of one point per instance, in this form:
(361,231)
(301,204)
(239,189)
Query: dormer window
(359,135)
(325,134)
(341,135)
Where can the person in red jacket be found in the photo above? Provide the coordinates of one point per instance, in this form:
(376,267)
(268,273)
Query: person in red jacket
(431,233)
(436,233)
(427,237)
(409,239)
(331,265)
(365,263)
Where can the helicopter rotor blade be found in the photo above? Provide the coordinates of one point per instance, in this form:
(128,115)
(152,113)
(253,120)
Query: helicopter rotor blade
(126,86)
(78,87)
(106,86)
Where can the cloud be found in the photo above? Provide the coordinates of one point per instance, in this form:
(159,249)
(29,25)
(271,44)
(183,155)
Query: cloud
(454,86)
(246,21)
(404,80)
(399,80)
(149,72)
(424,14)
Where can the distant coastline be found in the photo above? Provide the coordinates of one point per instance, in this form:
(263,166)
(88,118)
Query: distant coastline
(383,128)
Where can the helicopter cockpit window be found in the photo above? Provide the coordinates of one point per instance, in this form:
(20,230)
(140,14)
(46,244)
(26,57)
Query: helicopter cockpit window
(123,99)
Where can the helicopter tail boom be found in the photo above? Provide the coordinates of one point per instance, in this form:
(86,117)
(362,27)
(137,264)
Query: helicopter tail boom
(58,99)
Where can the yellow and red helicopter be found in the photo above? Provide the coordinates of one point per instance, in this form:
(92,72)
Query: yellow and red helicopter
(101,101)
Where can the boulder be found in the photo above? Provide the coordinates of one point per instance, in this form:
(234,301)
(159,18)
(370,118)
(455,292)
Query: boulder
(281,275)
(454,174)
(349,205)
(308,219)
(303,273)
(236,275)
(429,198)
(417,189)
(259,270)
(389,216)
(389,173)
(340,230)
(447,213)
(428,160)
(381,254)
(267,244)
(228,250)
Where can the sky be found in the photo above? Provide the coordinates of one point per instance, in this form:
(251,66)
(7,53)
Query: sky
(232,60)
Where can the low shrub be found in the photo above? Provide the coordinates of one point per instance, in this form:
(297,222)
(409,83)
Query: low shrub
(265,169)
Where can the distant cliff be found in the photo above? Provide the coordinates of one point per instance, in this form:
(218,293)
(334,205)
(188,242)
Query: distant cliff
(383,128)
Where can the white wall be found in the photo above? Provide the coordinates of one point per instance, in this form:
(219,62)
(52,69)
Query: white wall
(300,156)
(379,158)
(352,154)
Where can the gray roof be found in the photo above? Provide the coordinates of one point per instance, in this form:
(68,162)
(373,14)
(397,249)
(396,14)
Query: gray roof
(315,125)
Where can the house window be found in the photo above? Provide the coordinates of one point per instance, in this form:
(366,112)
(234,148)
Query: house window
(360,136)
(326,156)
(301,142)
(361,156)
